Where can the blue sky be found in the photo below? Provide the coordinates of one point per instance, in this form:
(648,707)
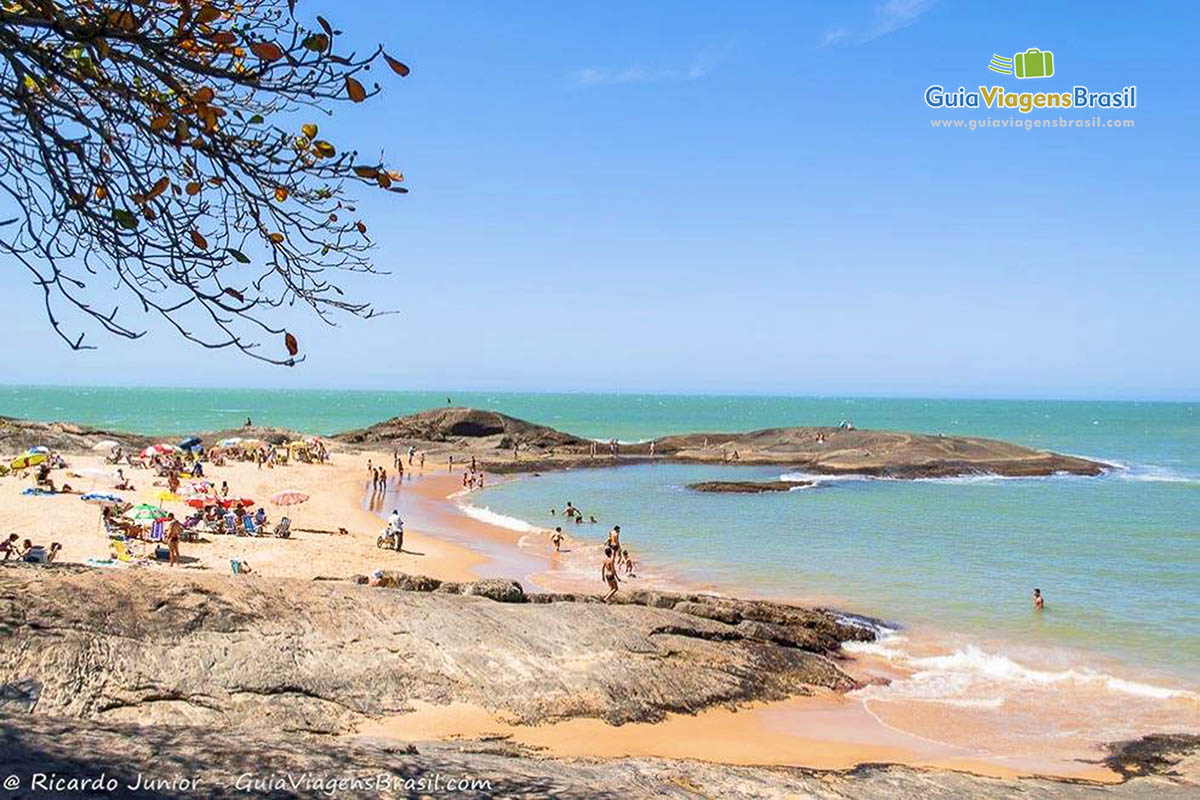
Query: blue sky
(745,197)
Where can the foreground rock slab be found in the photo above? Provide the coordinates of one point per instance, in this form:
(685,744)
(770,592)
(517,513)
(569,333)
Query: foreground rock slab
(216,763)
(321,656)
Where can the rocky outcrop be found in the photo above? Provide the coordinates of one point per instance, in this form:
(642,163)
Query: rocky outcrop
(466,427)
(321,656)
(747,487)
(504,444)
(227,764)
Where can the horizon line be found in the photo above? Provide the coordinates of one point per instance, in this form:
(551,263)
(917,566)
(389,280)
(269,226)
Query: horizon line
(769,394)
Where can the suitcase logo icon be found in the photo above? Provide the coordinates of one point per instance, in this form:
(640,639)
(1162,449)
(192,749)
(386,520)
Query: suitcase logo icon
(1033,63)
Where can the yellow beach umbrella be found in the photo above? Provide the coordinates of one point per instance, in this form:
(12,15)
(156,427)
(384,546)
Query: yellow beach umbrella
(28,460)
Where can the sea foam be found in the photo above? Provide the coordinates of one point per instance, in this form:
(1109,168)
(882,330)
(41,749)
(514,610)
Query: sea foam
(973,675)
(490,517)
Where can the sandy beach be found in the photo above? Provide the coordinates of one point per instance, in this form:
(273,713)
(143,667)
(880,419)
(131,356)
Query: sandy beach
(825,731)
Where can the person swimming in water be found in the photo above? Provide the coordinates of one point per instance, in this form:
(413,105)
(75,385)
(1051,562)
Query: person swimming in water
(1039,602)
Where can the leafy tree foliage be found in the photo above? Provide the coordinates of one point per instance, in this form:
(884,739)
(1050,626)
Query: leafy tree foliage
(169,150)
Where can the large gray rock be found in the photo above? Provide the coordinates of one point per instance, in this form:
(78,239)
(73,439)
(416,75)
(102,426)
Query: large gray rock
(321,655)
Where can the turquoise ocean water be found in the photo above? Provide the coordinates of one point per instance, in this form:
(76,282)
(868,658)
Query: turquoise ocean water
(1117,556)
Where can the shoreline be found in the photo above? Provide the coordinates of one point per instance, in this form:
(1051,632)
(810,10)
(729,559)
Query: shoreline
(856,731)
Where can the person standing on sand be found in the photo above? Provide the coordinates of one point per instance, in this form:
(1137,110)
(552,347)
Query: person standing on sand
(174,532)
(608,572)
(557,539)
(422,459)
(614,538)
(382,479)
(411,452)
(450,464)
(628,564)
(1039,602)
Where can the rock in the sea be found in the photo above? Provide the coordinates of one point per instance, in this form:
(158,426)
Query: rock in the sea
(747,487)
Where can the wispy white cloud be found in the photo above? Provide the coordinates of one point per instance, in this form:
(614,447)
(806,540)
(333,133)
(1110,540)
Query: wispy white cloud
(889,16)
(700,66)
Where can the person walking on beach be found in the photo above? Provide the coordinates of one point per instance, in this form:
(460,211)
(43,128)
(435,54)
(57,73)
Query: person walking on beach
(614,538)
(411,452)
(382,479)
(557,539)
(1039,602)
(608,572)
(422,459)
(450,464)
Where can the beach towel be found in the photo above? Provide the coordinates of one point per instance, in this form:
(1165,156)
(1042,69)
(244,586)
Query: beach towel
(32,492)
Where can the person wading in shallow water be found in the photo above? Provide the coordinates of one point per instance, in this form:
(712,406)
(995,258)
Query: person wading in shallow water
(1039,602)
(609,573)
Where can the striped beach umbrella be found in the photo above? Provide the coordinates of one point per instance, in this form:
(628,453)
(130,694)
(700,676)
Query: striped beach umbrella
(160,449)
(146,512)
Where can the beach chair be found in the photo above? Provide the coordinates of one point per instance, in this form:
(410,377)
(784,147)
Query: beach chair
(231,523)
(121,552)
(249,526)
(157,531)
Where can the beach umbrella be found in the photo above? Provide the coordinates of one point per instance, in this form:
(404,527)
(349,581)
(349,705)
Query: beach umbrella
(39,449)
(189,442)
(105,444)
(252,444)
(229,442)
(146,511)
(167,496)
(27,460)
(289,497)
(103,499)
(200,488)
(160,449)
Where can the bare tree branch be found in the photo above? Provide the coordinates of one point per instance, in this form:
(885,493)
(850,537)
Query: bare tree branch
(145,145)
